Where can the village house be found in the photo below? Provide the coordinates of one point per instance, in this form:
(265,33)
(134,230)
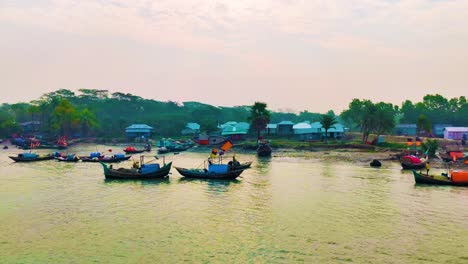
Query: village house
(406,129)
(285,128)
(456,133)
(140,131)
(191,129)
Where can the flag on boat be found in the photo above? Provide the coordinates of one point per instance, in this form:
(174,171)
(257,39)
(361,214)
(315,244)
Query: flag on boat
(226,146)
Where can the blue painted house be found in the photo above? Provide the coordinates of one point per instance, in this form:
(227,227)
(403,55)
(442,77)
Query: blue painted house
(285,128)
(406,129)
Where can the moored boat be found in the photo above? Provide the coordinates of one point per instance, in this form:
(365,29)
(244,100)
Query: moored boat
(68,158)
(264,149)
(413,166)
(133,150)
(411,162)
(145,171)
(106,158)
(228,171)
(29,157)
(455,178)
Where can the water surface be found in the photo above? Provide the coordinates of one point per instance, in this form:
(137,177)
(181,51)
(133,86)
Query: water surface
(283,210)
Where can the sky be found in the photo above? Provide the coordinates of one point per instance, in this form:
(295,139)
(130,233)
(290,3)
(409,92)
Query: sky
(314,55)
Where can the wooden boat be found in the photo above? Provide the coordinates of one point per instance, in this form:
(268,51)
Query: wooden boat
(458,178)
(412,163)
(133,150)
(146,171)
(215,171)
(105,159)
(264,150)
(412,166)
(68,158)
(29,157)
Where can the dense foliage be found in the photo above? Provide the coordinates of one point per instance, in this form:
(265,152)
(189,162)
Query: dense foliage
(100,113)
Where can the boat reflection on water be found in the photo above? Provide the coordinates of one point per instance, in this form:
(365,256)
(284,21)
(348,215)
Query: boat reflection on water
(263,165)
(149,182)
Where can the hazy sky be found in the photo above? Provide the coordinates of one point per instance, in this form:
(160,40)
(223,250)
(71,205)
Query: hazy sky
(313,55)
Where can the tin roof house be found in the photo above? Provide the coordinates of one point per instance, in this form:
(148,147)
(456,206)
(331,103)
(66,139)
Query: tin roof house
(139,131)
(456,133)
(303,131)
(285,128)
(406,129)
(191,129)
(235,132)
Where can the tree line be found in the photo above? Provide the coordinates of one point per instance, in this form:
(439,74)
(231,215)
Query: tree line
(92,112)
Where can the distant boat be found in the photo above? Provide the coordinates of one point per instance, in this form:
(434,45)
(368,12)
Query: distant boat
(212,140)
(68,158)
(133,150)
(107,158)
(264,149)
(29,157)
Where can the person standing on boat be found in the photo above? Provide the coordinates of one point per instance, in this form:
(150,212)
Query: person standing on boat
(213,155)
(428,168)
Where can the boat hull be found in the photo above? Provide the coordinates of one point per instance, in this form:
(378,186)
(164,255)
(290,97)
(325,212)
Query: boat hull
(425,179)
(410,166)
(204,174)
(125,174)
(20,159)
(113,160)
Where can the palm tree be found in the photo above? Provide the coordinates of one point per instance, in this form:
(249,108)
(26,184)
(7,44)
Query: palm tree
(259,117)
(327,122)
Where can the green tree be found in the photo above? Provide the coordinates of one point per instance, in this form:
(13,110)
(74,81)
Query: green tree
(64,116)
(259,117)
(424,125)
(87,121)
(384,118)
(328,121)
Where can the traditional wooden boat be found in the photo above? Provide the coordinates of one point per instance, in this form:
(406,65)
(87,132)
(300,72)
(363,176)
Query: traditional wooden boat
(411,162)
(413,166)
(144,171)
(133,150)
(29,157)
(107,159)
(264,150)
(216,171)
(68,158)
(458,178)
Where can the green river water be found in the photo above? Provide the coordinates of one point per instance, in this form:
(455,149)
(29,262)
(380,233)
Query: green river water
(282,210)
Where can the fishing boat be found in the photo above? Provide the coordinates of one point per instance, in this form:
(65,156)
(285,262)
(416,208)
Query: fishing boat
(29,157)
(264,149)
(133,150)
(411,162)
(455,178)
(138,171)
(228,171)
(106,158)
(68,158)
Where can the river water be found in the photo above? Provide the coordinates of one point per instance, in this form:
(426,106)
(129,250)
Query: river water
(283,210)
